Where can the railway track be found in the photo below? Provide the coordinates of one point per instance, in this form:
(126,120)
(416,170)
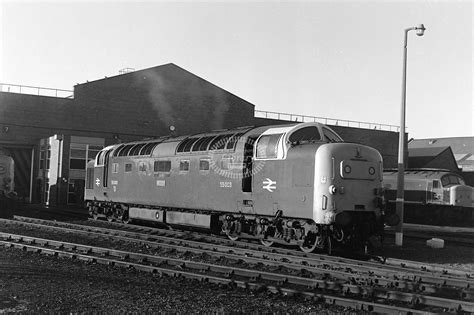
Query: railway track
(403,286)
(249,249)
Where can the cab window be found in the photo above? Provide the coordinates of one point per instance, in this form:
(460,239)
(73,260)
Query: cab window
(451,179)
(331,136)
(267,146)
(304,135)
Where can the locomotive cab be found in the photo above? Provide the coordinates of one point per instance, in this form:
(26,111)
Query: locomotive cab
(454,191)
(311,173)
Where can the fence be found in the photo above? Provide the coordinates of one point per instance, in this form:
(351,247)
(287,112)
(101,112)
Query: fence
(323,120)
(35,90)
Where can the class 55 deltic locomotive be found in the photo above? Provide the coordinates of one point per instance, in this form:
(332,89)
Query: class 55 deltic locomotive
(296,184)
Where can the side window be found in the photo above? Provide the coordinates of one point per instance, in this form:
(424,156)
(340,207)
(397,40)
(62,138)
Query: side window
(435,184)
(267,146)
(115,167)
(184,165)
(162,166)
(128,167)
(204,165)
(226,162)
(142,167)
(233,141)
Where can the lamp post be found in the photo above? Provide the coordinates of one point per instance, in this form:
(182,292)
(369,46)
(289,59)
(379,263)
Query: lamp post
(420,30)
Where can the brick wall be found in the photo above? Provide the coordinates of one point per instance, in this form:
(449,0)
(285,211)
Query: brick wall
(152,100)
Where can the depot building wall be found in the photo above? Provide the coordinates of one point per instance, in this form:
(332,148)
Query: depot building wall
(164,100)
(159,101)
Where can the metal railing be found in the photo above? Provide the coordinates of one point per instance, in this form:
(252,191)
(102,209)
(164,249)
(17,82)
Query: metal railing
(35,90)
(324,120)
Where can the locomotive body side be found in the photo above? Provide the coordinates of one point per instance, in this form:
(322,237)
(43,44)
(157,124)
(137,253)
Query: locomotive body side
(293,184)
(432,196)
(430,187)
(286,185)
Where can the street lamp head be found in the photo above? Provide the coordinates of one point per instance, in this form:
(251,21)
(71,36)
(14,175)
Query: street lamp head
(420,29)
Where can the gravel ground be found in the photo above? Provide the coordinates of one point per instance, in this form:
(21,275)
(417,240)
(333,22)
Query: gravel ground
(451,256)
(34,283)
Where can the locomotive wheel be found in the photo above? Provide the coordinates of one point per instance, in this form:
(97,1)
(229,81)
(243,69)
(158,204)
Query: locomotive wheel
(309,249)
(232,237)
(327,245)
(125,219)
(266,243)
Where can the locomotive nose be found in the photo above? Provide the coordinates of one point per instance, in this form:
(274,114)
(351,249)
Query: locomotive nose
(347,182)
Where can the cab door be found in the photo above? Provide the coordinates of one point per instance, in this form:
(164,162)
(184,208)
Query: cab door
(247,170)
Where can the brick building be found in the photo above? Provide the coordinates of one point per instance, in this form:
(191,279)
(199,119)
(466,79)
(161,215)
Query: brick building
(51,138)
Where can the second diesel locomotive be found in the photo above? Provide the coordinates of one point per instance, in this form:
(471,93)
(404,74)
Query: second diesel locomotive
(432,196)
(297,184)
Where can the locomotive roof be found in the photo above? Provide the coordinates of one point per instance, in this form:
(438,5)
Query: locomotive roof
(421,172)
(217,140)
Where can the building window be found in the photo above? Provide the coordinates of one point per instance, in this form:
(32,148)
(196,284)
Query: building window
(162,166)
(45,157)
(128,167)
(184,166)
(80,154)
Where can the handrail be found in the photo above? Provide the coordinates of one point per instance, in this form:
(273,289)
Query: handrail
(324,120)
(35,90)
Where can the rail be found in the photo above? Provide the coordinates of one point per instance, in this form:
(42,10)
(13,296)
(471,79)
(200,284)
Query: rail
(324,120)
(35,90)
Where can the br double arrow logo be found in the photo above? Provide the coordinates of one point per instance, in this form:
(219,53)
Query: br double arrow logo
(269,185)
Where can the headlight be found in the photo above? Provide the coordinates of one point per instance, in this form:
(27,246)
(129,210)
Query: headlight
(371,170)
(347,169)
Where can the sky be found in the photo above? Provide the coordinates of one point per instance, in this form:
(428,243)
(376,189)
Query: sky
(335,59)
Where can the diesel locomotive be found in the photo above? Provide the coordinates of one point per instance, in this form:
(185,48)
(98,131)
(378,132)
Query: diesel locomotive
(432,196)
(7,185)
(296,184)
